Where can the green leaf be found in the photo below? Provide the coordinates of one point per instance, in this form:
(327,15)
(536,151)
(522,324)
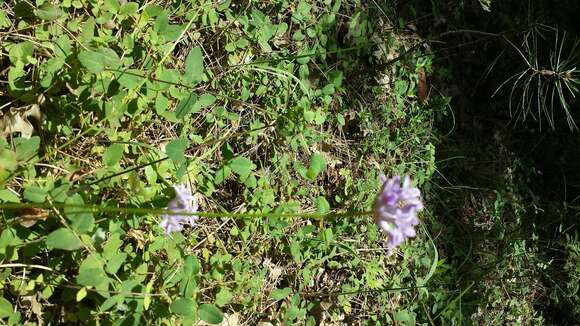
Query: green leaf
(5,308)
(59,194)
(194,66)
(166,78)
(401,87)
(81,219)
(111,301)
(63,238)
(8,196)
(113,154)
(251,181)
(7,161)
(26,148)
(91,272)
(185,106)
(129,8)
(191,266)
(175,149)
(92,61)
(8,239)
(406,317)
(223,297)
(35,194)
(322,205)
(210,314)
(97,61)
(153,10)
(280,294)
(183,307)
(112,6)
(206,100)
(48,11)
(130,78)
(4,20)
(317,165)
(242,166)
(115,262)
(21,52)
(81,294)
(222,174)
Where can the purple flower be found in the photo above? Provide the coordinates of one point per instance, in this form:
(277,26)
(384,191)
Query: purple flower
(395,209)
(184,202)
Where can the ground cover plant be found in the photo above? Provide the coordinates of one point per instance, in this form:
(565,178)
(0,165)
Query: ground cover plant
(243,162)
(264,111)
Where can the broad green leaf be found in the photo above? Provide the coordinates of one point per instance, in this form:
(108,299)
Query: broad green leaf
(401,87)
(97,61)
(161,103)
(210,314)
(322,205)
(8,196)
(92,60)
(111,301)
(194,66)
(4,20)
(191,266)
(112,246)
(48,11)
(242,166)
(129,8)
(166,77)
(130,78)
(222,174)
(185,106)
(81,294)
(59,194)
(115,262)
(153,10)
(112,6)
(161,22)
(206,100)
(113,154)
(35,194)
(7,163)
(172,32)
(26,148)
(317,165)
(8,239)
(406,317)
(251,181)
(21,52)
(88,31)
(63,238)
(5,308)
(175,149)
(223,297)
(91,272)
(183,307)
(81,218)
(279,294)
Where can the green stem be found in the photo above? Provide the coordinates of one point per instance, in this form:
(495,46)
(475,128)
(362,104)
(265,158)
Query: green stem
(155,211)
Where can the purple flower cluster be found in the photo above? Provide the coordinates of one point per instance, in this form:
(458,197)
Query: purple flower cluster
(395,209)
(184,202)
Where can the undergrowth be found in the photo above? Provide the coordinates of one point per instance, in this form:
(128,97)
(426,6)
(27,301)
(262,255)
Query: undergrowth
(279,117)
(261,107)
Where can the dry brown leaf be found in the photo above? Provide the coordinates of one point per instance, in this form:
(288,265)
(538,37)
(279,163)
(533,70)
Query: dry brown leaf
(139,237)
(18,120)
(27,217)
